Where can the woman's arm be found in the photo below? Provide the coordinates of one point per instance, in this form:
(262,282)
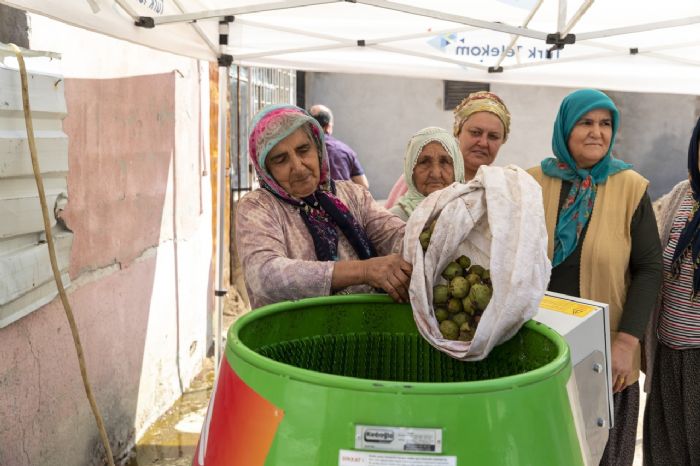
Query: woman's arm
(646,277)
(645,270)
(390,273)
(270,275)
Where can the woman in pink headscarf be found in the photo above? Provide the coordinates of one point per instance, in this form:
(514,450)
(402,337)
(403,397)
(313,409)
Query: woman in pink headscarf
(301,234)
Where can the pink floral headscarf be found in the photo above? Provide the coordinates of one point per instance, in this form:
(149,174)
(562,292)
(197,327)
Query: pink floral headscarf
(270,126)
(323,212)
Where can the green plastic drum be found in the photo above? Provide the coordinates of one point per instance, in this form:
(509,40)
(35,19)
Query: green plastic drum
(324,366)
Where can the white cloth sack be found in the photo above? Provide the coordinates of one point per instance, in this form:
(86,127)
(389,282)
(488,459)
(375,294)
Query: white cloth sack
(497,220)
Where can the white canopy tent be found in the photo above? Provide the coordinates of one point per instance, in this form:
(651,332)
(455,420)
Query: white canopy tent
(625,45)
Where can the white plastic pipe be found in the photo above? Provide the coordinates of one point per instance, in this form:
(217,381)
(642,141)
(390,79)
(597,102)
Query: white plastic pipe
(515,38)
(577,16)
(221,210)
(561,17)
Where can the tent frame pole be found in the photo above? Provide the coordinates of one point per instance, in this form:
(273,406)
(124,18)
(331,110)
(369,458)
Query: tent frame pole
(638,28)
(343,42)
(493,26)
(220,292)
(515,38)
(428,56)
(575,19)
(220,181)
(561,17)
(138,22)
(243,10)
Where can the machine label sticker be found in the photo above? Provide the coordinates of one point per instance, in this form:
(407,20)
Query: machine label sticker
(566,307)
(398,439)
(368,458)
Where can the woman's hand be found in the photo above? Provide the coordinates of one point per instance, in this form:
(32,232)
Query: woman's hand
(390,273)
(623,349)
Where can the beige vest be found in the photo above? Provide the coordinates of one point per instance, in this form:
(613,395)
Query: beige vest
(605,254)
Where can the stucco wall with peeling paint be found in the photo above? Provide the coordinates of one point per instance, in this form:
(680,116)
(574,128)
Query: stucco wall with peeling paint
(140,262)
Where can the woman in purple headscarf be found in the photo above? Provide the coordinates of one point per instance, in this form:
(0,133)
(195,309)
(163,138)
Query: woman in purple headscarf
(302,234)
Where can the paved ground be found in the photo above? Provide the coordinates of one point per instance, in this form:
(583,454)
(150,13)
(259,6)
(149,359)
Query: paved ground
(172,439)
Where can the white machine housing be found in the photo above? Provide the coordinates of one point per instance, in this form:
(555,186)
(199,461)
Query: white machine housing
(585,325)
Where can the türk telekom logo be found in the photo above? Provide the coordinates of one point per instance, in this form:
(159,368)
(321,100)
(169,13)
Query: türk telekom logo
(155,5)
(379,436)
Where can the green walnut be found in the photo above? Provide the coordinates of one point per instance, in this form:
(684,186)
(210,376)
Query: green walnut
(464,262)
(452,270)
(441,314)
(449,329)
(459,287)
(480,295)
(441,293)
(454,305)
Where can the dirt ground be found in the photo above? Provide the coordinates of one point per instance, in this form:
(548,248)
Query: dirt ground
(172,439)
(235,305)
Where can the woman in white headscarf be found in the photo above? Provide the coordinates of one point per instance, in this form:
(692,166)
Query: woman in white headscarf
(433,161)
(481,126)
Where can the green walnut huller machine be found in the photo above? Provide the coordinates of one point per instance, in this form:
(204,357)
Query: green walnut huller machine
(348,380)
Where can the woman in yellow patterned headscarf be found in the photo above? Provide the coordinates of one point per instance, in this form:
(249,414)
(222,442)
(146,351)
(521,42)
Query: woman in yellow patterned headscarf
(481,126)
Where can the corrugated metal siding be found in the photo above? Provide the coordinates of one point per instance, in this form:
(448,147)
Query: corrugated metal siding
(26,280)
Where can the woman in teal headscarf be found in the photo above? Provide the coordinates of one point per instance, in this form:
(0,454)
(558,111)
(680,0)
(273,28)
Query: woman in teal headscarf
(432,161)
(603,242)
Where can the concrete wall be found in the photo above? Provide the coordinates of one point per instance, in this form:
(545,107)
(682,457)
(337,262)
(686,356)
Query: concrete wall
(139,207)
(654,136)
(377,114)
